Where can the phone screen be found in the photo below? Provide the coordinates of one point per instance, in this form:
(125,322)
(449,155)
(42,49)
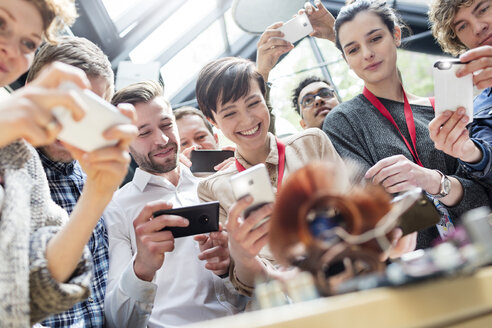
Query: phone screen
(205,160)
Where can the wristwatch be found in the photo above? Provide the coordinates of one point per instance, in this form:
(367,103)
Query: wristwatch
(445,186)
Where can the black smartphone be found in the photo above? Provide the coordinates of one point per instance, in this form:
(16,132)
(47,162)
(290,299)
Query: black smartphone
(203,218)
(204,160)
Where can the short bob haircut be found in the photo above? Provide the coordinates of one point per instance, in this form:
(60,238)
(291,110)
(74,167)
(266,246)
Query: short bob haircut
(441,15)
(225,79)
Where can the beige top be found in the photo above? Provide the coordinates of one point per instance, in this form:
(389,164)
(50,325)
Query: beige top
(307,146)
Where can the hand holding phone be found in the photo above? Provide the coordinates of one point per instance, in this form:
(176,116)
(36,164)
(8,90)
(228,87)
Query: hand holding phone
(152,246)
(452,92)
(203,218)
(87,134)
(296,28)
(254,182)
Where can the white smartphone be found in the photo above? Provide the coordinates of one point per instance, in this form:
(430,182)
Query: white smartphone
(296,28)
(255,182)
(450,91)
(87,134)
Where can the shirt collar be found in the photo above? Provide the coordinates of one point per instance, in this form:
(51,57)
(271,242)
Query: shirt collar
(142,178)
(272,157)
(490,92)
(60,167)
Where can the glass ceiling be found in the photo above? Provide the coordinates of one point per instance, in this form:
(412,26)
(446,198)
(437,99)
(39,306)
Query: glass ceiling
(181,60)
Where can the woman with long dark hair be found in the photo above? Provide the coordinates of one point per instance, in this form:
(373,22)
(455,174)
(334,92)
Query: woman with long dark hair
(385,129)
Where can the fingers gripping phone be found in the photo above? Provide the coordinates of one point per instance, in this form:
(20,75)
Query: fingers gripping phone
(203,218)
(255,182)
(296,28)
(87,134)
(450,91)
(204,160)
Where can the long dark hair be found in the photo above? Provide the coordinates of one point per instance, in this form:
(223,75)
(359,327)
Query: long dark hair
(388,15)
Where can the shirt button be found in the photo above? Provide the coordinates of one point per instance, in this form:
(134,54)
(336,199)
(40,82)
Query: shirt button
(90,300)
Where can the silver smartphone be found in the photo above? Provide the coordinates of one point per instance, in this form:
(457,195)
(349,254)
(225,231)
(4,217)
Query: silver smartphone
(296,28)
(450,91)
(100,115)
(255,182)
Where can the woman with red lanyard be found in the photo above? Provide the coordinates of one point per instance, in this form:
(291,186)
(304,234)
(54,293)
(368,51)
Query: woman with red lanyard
(231,94)
(385,129)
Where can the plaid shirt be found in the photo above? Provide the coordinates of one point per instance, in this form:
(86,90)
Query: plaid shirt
(66,181)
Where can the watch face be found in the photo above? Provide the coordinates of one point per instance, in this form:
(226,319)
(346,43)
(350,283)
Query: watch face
(446,186)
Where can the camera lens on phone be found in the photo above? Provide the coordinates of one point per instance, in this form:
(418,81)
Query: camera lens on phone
(204,219)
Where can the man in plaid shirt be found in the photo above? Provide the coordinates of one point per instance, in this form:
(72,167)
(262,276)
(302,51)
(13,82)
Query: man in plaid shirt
(66,178)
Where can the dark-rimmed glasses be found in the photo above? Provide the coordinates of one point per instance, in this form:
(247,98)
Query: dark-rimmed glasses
(308,100)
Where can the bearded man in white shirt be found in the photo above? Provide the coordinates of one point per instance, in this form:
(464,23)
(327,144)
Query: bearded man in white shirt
(155,280)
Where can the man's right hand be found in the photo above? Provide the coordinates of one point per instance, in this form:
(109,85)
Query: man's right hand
(479,63)
(321,20)
(152,243)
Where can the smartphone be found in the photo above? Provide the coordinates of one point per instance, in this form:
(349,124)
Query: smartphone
(87,134)
(296,28)
(450,91)
(255,182)
(204,160)
(416,211)
(203,218)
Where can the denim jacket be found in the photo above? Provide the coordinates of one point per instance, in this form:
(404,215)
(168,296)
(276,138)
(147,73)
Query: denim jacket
(481,134)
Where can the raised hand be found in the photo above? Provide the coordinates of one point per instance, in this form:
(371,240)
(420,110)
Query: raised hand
(269,49)
(321,20)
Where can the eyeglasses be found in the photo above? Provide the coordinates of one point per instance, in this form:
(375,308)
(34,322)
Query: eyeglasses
(308,100)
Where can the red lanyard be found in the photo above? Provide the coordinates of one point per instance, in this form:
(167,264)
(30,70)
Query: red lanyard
(281,163)
(408,117)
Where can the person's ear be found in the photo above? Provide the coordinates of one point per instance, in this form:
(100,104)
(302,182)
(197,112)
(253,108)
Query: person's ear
(303,124)
(397,36)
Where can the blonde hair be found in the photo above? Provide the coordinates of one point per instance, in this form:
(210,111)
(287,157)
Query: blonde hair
(441,15)
(55,14)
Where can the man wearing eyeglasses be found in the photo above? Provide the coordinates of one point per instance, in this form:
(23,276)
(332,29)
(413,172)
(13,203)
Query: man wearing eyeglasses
(313,99)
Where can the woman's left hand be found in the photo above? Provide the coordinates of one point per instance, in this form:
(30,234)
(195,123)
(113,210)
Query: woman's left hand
(106,167)
(398,174)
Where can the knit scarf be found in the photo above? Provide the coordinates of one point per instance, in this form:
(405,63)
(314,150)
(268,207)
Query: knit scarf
(15,217)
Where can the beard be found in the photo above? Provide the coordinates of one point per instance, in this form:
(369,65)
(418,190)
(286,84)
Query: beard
(149,164)
(57,153)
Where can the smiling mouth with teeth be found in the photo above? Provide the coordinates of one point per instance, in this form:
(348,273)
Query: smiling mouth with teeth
(250,132)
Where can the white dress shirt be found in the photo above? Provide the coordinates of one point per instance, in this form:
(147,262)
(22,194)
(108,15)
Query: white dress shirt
(182,290)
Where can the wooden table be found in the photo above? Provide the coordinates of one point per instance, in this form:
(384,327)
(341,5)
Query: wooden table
(464,301)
